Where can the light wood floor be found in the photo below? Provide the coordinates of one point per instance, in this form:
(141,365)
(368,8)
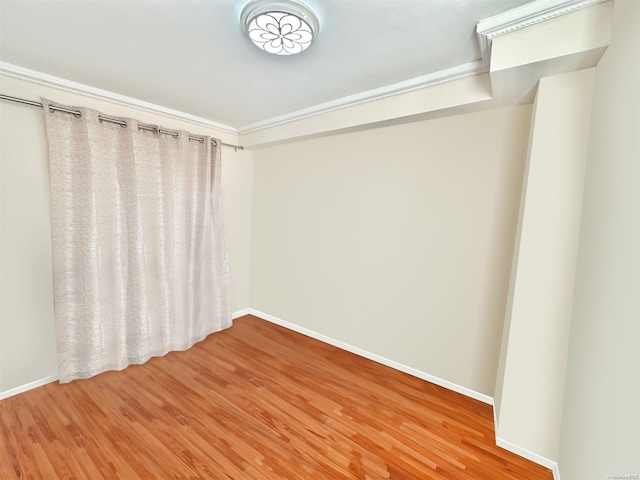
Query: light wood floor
(255,401)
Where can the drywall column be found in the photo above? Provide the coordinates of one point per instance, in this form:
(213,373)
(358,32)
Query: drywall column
(531,376)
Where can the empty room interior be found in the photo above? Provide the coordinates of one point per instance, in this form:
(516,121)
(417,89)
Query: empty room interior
(320,239)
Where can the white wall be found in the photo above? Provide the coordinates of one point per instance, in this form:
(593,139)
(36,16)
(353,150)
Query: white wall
(27,331)
(601,418)
(28,351)
(396,240)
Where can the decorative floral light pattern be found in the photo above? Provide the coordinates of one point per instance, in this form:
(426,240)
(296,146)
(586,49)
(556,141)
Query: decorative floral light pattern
(280,33)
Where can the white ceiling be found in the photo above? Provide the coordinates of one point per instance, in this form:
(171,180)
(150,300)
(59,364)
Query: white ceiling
(192,55)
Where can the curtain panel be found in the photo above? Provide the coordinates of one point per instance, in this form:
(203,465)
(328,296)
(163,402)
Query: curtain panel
(139,259)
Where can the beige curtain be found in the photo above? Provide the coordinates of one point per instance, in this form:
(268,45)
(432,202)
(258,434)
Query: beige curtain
(139,259)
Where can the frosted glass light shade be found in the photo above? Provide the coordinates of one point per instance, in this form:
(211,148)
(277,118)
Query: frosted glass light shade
(283,27)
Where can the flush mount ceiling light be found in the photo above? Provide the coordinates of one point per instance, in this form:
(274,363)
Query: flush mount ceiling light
(282,27)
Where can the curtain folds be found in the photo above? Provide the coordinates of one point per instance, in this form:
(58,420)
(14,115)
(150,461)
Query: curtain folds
(139,258)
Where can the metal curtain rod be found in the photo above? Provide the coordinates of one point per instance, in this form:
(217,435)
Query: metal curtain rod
(111,120)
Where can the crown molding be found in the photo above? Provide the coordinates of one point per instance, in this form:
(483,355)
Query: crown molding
(418,83)
(522,17)
(407,86)
(487,29)
(47,80)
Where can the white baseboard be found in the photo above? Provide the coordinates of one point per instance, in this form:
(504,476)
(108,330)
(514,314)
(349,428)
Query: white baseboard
(534,457)
(53,378)
(27,386)
(376,358)
(556,471)
(241,313)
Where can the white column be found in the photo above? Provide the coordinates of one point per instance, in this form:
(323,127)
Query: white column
(531,377)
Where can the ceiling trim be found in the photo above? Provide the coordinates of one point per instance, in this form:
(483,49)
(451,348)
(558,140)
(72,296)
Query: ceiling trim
(487,29)
(522,17)
(407,86)
(47,80)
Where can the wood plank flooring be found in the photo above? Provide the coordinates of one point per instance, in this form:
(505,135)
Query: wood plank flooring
(255,401)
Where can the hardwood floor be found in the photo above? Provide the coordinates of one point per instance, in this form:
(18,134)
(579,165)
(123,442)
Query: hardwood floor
(255,401)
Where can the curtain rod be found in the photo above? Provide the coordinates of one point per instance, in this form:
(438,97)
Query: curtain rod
(106,119)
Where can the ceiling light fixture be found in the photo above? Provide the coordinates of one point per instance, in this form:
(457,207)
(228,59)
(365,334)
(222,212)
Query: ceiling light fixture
(282,27)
